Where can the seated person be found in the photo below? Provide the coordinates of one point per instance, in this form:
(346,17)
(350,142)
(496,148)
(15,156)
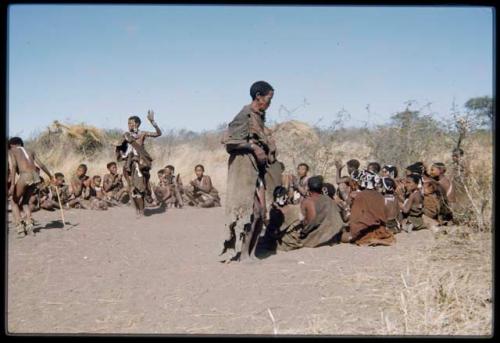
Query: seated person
(298,184)
(163,191)
(113,186)
(392,211)
(80,186)
(321,223)
(97,198)
(413,206)
(368,215)
(50,200)
(201,192)
(175,185)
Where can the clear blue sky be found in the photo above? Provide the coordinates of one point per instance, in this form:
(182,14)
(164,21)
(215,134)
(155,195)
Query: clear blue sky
(194,64)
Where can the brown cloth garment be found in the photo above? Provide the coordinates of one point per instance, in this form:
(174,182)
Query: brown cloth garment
(324,227)
(245,177)
(282,221)
(368,219)
(432,205)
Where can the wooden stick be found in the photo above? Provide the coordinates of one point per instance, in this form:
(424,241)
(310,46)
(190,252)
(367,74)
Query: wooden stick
(60,205)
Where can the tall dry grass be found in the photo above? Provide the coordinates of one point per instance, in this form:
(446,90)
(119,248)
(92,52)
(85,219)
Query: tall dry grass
(447,290)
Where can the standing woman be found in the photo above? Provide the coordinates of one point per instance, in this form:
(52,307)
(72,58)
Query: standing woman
(250,151)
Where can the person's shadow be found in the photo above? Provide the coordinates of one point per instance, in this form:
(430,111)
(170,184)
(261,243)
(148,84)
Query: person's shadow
(55,224)
(155,210)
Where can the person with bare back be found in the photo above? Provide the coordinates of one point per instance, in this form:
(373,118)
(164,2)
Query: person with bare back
(138,162)
(24,163)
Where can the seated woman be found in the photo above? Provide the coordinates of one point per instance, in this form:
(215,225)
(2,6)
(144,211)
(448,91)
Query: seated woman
(201,192)
(315,222)
(368,215)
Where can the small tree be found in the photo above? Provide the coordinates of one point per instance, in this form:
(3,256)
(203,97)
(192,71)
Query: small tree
(482,109)
(408,138)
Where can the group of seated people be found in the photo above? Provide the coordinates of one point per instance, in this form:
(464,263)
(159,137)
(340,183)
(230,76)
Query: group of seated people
(367,206)
(100,193)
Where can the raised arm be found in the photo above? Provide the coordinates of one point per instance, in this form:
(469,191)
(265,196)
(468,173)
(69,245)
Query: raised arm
(151,119)
(339,166)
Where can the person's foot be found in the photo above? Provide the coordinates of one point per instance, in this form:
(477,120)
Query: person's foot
(20,230)
(29,226)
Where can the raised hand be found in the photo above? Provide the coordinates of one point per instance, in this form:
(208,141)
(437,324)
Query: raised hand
(151,115)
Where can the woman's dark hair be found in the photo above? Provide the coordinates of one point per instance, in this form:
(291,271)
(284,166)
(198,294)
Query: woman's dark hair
(415,178)
(261,88)
(279,191)
(199,166)
(315,184)
(376,166)
(136,119)
(16,141)
(304,165)
(328,189)
(353,163)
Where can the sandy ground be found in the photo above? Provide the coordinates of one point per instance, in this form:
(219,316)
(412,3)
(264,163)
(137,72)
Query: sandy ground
(113,273)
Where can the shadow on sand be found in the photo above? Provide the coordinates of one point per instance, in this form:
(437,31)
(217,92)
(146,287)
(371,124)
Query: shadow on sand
(55,224)
(155,210)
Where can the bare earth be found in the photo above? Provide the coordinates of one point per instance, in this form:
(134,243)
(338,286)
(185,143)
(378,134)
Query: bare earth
(113,273)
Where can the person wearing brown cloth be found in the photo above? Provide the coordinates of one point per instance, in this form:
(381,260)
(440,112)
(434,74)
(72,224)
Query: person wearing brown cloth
(250,151)
(368,215)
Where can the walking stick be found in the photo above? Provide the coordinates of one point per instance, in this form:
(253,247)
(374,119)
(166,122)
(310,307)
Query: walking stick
(60,205)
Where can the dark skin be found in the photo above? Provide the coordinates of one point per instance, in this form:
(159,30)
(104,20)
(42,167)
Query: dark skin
(20,191)
(80,182)
(340,166)
(113,179)
(162,191)
(96,184)
(302,173)
(308,208)
(199,175)
(133,126)
(51,204)
(415,197)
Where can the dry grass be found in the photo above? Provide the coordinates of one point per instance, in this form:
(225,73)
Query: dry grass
(448,290)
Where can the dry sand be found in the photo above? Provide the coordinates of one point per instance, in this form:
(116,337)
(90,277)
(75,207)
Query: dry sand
(113,273)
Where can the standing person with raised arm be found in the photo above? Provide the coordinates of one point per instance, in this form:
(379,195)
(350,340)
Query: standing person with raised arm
(138,162)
